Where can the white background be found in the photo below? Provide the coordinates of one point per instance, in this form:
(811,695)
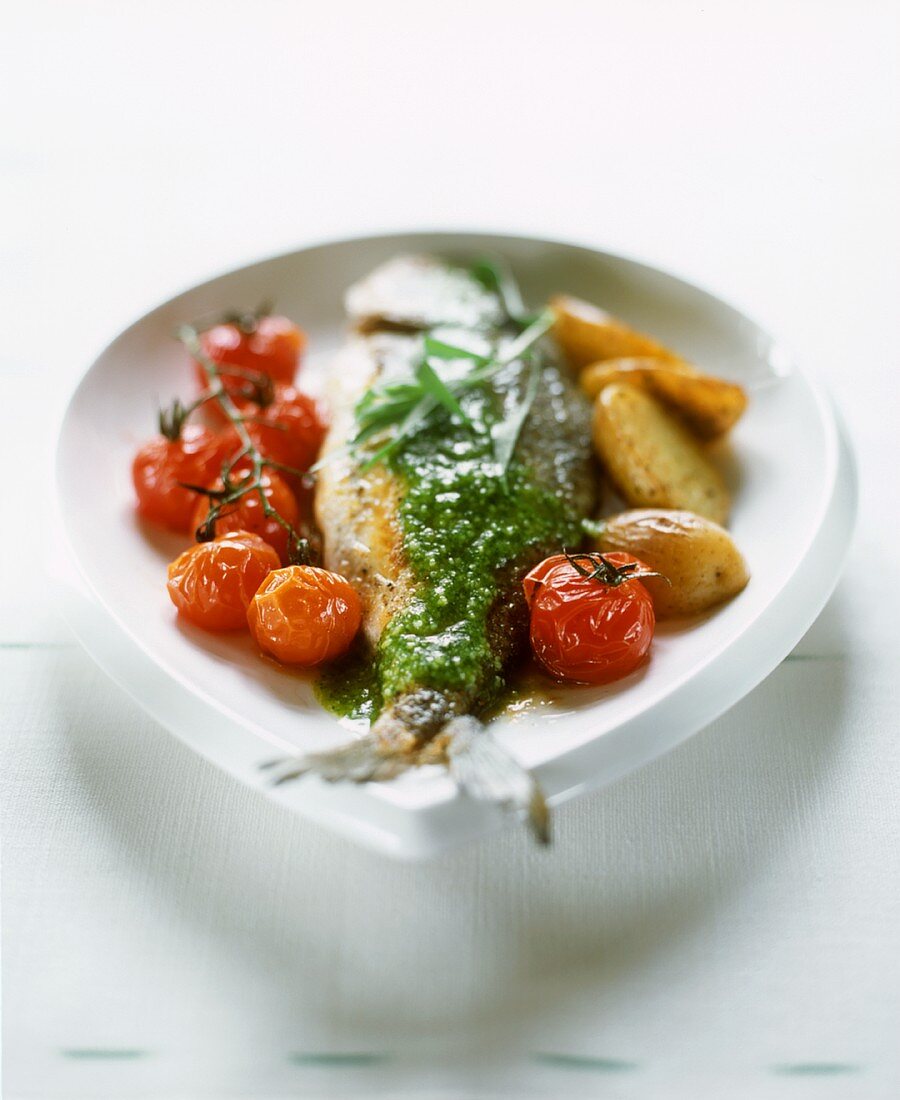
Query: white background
(723,923)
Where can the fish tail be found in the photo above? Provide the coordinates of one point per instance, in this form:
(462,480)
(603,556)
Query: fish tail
(478,764)
(362,761)
(482,768)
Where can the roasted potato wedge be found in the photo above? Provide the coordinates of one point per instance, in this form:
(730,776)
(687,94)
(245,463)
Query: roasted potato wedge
(709,406)
(587,334)
(651,458)
(698,557)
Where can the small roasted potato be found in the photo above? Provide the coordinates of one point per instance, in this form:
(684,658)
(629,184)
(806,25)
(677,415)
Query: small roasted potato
(651,459)
(698,557)
(707,405)
(586,334)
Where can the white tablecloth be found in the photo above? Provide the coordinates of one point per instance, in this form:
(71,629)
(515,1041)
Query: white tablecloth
(723,923)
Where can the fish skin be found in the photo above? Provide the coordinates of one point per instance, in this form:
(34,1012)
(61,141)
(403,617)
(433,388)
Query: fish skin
(357,511)
(411,293)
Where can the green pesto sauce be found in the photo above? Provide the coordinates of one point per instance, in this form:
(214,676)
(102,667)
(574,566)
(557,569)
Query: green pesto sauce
(462,523)
(350,686)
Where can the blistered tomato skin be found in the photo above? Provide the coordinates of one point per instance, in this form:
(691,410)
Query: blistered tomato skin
(585,631)
(290,430)
(212,583)
(161,465)
(247,513)
(304,615)
(273,349)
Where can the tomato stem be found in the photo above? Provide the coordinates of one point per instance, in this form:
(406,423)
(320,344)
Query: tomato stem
(606,572)
(244,320)
(298,546)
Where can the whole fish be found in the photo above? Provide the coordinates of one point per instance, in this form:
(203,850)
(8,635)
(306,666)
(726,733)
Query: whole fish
(438,533)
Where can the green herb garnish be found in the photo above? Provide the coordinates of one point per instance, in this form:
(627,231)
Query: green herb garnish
(432,383)
(410,405)
(505,433)
(494,275)
(440,349)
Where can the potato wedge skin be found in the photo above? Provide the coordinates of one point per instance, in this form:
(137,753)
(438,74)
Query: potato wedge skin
(586,334)
(651,458)
(709,406)
(699,558)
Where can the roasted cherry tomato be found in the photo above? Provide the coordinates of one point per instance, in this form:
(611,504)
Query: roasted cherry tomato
(162,464)
(591,620)
(213,583)
(247,514)
(290,430)
(270,352)
(304,615)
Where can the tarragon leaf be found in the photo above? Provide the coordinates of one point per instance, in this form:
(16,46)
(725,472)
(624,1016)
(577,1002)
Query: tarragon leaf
(505,433)
(433,384)
(440,349)
(410,424)
(538,328)
(495,276)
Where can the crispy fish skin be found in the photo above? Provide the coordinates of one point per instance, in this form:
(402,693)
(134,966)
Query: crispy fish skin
(357,512)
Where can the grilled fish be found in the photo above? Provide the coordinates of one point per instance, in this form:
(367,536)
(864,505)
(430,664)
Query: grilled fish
(437,537)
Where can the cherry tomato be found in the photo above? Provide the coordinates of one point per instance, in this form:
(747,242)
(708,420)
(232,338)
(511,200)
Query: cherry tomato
(246,513)
(273,349)
(161,464)
(290,430)
(213,583)
(589,629)
(304,615)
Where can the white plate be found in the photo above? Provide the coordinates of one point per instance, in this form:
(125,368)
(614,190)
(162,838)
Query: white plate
(794,500)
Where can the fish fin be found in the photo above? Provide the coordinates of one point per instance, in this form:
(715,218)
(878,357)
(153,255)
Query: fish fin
(478,764)
(358,761)
(485,770)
